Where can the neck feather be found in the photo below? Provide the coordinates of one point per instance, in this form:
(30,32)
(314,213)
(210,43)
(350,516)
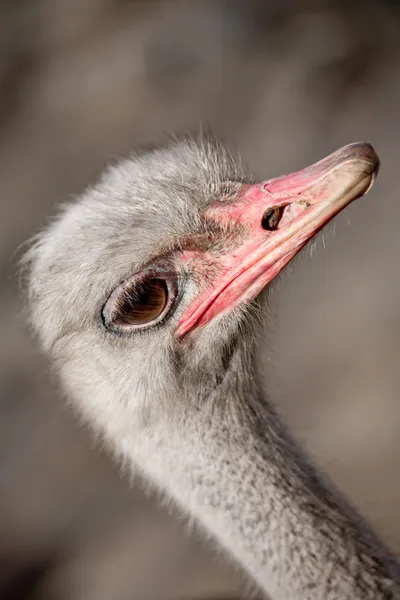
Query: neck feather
(233,467)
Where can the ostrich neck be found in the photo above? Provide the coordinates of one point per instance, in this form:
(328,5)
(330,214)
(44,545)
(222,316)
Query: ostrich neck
(232,466)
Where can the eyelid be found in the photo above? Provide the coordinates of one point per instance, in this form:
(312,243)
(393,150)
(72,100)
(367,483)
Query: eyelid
(108,309)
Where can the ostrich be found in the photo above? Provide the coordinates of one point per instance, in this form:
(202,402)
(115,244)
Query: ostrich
(149,294)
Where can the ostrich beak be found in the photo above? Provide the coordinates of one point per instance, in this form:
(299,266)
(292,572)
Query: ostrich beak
(275,219)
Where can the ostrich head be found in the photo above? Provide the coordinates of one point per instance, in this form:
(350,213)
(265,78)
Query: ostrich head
(144,288)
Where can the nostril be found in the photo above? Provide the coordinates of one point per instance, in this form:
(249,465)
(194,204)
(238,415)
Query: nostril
(271,218)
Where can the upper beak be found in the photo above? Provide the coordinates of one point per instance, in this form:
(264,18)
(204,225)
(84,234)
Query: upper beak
(278,217)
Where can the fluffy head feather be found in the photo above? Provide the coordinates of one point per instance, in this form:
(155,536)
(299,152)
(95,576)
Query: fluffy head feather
(140,210)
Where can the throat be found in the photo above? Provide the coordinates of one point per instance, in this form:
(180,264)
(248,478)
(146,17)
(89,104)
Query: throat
(232,465)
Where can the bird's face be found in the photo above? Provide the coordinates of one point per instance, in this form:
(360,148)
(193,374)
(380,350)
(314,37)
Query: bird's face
(144,285)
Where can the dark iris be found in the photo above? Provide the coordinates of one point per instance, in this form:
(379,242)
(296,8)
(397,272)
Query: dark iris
(271,218)
(141,304)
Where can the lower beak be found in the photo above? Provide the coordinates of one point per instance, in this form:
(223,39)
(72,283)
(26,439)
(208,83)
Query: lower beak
(276,219)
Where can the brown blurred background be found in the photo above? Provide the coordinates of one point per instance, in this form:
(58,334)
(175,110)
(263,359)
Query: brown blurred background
(287,82)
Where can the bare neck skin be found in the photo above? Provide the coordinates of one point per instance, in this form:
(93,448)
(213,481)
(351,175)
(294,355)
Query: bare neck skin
(234,468)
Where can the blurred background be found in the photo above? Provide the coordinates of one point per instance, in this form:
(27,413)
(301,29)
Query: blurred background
(285,81)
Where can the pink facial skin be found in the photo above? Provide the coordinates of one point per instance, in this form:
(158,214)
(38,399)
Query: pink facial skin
(310,198)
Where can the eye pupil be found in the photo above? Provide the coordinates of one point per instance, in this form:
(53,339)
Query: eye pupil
(140,304)
(271,218)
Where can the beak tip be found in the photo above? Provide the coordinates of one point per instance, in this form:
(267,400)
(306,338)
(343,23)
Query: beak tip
(363,152)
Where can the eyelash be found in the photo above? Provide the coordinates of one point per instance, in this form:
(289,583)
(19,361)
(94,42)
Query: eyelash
(124,295)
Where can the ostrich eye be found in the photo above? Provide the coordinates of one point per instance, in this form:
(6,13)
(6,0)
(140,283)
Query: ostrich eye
(271,218)
(138,304)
